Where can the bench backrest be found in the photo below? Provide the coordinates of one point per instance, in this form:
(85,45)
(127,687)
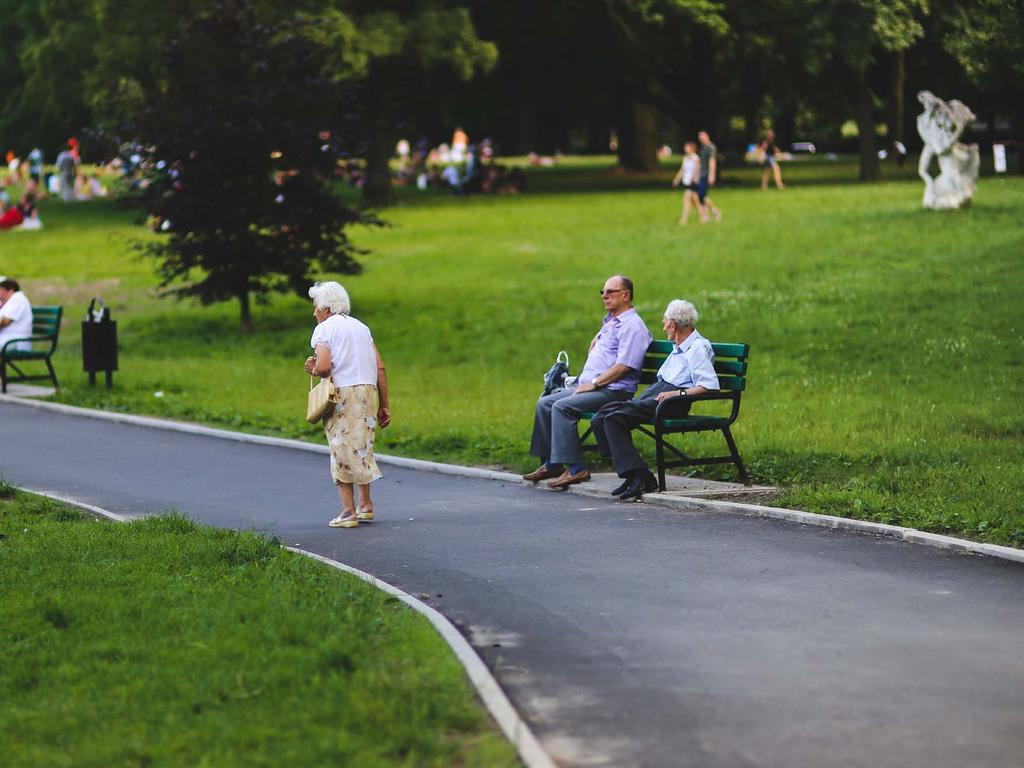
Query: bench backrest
(730,363)
(46,321)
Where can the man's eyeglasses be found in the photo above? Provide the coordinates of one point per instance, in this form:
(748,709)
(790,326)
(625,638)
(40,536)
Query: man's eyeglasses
(613,290)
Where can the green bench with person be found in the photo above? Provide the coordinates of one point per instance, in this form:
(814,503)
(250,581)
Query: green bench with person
(731,367)
(45,330)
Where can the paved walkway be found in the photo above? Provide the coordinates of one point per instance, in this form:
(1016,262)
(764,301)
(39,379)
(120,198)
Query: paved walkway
(627,635)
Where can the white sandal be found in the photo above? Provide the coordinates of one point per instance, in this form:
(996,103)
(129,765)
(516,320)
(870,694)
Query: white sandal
(345,520)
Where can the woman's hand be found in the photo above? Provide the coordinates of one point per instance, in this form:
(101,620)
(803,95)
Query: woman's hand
(310,363)
(384,417)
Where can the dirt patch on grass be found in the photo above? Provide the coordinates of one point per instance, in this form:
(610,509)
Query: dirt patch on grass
(57,291)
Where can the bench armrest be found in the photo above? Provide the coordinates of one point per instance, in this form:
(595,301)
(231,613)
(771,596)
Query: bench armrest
(673,406)
(3,350)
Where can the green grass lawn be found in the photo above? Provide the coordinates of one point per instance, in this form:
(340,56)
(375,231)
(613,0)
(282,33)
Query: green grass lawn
(886,365)
(228,651)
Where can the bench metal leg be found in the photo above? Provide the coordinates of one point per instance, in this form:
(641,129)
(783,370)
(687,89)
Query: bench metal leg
(3,375)
(736,456)
(659,449)
(53,374)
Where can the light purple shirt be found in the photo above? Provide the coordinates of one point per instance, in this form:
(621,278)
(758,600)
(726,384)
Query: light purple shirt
(624,340)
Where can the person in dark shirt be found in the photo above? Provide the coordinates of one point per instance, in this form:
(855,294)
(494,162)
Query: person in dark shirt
(708,174)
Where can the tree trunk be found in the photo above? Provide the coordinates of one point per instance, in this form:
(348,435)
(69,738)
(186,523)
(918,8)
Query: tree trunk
(597,131)
(785,128)
(700,98)
(377,182)
(869,167)
(245,311)
(1018,133)
(637,140)
(526,125)
(380,143)
(897,124)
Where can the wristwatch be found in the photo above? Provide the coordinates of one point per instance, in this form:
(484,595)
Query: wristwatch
(594,382)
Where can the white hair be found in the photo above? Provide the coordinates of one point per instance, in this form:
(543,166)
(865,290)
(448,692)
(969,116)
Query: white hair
(332,296)
(682,313)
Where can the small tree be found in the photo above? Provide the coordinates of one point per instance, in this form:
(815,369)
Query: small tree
(243,142)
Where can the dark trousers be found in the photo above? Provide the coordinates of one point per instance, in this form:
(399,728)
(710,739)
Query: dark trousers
(614,423)
(556,436)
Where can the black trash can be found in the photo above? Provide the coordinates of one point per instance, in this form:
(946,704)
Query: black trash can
(99,342)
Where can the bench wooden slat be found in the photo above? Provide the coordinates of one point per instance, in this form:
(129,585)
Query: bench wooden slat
(741,351)
(710,422)
(730,367)
(732,383)
(722,367)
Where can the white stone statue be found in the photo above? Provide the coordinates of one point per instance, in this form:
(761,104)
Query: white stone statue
(940,125)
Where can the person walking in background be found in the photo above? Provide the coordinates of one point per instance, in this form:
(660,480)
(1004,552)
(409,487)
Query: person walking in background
(343,349)
(688,175)
(611,374)
(769,151)
(708,174)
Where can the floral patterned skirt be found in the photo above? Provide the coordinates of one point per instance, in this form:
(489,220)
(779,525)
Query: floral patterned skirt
(350,431)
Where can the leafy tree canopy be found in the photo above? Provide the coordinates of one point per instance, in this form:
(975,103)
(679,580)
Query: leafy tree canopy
(243,138)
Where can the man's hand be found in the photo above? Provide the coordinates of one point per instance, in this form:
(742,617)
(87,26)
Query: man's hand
(662,396)
(310,364)
(384,417)
(588,387)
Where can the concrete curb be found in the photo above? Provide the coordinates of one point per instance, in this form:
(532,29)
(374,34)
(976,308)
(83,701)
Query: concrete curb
(909,535)
(512,725)
(508,719)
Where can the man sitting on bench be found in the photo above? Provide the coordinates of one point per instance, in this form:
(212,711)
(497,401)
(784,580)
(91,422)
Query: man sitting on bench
(15,315)
(689,370)
(611,374)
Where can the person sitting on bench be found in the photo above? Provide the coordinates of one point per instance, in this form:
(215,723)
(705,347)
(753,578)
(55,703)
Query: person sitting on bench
(15,315)
(689,370)
(611,374)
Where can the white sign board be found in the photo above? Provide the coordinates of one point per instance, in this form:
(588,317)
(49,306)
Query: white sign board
(999,156)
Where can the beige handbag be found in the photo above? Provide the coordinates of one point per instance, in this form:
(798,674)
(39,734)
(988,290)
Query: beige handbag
(322,399)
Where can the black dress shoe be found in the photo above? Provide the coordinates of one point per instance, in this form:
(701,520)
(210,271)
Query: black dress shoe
(638,486)
(618,491)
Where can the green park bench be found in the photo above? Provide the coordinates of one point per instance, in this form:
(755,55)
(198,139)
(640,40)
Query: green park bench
(45,329)
(731,367)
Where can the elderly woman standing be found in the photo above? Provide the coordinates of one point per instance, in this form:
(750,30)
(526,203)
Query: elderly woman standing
(343,348)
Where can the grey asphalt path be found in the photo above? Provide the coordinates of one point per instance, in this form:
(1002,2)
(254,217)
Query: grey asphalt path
(627,635)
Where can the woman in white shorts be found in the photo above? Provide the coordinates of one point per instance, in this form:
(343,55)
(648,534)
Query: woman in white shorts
(689,176)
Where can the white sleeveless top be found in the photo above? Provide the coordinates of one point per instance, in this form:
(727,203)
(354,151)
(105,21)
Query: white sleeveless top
(691,166)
